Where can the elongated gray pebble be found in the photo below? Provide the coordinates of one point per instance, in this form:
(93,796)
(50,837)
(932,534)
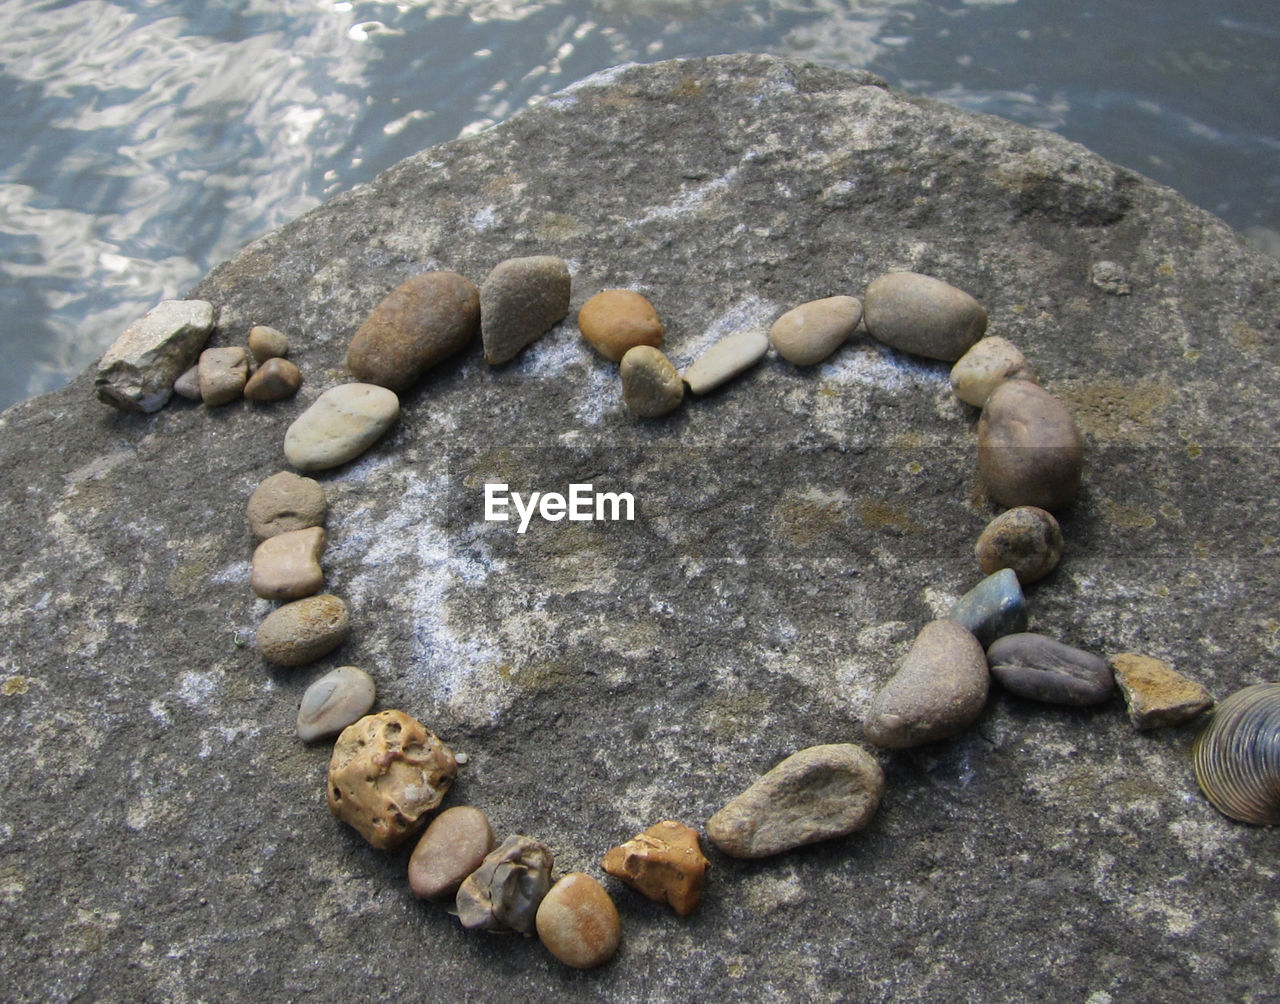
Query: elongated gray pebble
(519,301)
(922,315)
(340,425)
(287,566)
(994,607)
(809,333)
(1035,666)
(285,501)
(453,846)
(302,631)
(138,371)
(725,360)
(338,699)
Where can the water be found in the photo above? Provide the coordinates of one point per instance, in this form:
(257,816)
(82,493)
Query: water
(145,141)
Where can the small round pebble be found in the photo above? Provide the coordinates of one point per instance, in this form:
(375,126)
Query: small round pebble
(616,320)
(1044,669)
(922,315)
(267,343)
(812,331)
(275,380)
(1029,449)
(725,360)
(222,374)
(302,631)
(453,846)
(519,301)
(188,385)
(339,698)
(1026,539)
(651,385)
(286,501)
(340,425)
(578,922)
(989,363)
(286,566)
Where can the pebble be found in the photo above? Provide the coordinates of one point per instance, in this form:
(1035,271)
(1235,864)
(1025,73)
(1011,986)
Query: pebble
(1035,666)
(267,343)
(340,425)
(286,501)
(275,380)
(188,385)
(616,320)
(387,772)
(339,698)
(453,846)
(815,794)
(504,893)
(989,363)
(578,922)
(922,315)
(1027,540)
(651,385)
(665,862)
(302,631)
(1029,449)
(1156,694)
(994,607)
(725,360)
(519,301)
(223,374)
(812,331)
(1111,277)
(939,689)
(138,371)
(286,566)
(420,323)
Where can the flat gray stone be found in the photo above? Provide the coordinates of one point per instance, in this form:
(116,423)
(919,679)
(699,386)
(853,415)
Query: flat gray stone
(138,371)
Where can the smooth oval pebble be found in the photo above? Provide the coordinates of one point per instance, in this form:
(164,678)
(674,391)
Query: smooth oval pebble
(809,333)
(275,379)
(651,385)
(615,320)
(922,315)
(1029,449)
(1026,539)
(222,374)
(990,362)
(578,922)
(339,698)
(285,501)
(287,566)
(519,301)
(420,323)
(266,342)
(1035,666)
(304,630)
(453,846)
(939,689)
(994,607)
(725,360)
(340,425)
(814,794)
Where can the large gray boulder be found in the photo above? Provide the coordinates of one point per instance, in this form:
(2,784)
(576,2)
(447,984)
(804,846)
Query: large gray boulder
(165,836)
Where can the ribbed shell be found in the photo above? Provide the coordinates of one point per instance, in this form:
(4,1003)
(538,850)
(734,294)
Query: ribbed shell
(1237,757)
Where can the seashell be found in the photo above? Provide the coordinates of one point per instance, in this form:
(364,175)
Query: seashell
(1237,757)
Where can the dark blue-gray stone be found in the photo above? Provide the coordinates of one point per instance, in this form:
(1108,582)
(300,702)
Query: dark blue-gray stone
(1035,666)
(992,608)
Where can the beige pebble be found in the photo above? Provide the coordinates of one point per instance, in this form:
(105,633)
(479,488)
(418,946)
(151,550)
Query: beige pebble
(302,631)
(222,374)
(1156,694)
(285,501)
(651,385)
(340,425)
(339,698)
(990,362)
(1030,452)
(615,320)
(922,315)
(809,333)
(287,565)
(665,862)
(725,360)
(267,343)
(453,846)
(1026,539)
(275,380)
(578,922)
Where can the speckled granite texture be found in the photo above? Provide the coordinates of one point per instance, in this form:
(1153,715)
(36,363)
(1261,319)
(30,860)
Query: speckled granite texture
(165,836)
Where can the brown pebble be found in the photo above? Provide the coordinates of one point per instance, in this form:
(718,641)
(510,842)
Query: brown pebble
(1029,449)
(453,846)
(302,631)
(222,374)
(665,862)
(1156,694)
(807,334)
(578,922)
(267,343)
(285,501)
(275,380)
(616,320)
(1026,539)
(287,566)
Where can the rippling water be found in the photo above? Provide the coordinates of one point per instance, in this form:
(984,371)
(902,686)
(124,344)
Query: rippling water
(146,141)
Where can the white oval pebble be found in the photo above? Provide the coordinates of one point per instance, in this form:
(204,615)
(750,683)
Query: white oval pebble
(725,360)
(340,425)
(339,698)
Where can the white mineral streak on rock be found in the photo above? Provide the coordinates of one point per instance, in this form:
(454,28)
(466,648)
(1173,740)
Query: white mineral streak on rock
(688,201)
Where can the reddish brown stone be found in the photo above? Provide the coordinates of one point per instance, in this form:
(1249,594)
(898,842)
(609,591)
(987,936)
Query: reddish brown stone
(665,862)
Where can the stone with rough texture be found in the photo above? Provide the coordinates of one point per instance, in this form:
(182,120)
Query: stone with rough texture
(814,794)
(386,773)
(453,846)
(504,893)
(339,698)
(222,374)
(665,862)
(1029,449)
(651,385)
(1027,540)
(938,690)
(615,320)
(266,342)
(302,631)
(1044,669)
(789,536)
(419,324)
(989,363)
(807,334)
(923,315)
(520,300)
(138,371)
(1155,693)
(994,607)
(286,566)
(275,380)
(578,922)
(285,501)
(725,360)
(341,424)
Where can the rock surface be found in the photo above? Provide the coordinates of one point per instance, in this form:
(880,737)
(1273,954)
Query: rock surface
(789,540)
(137,372)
